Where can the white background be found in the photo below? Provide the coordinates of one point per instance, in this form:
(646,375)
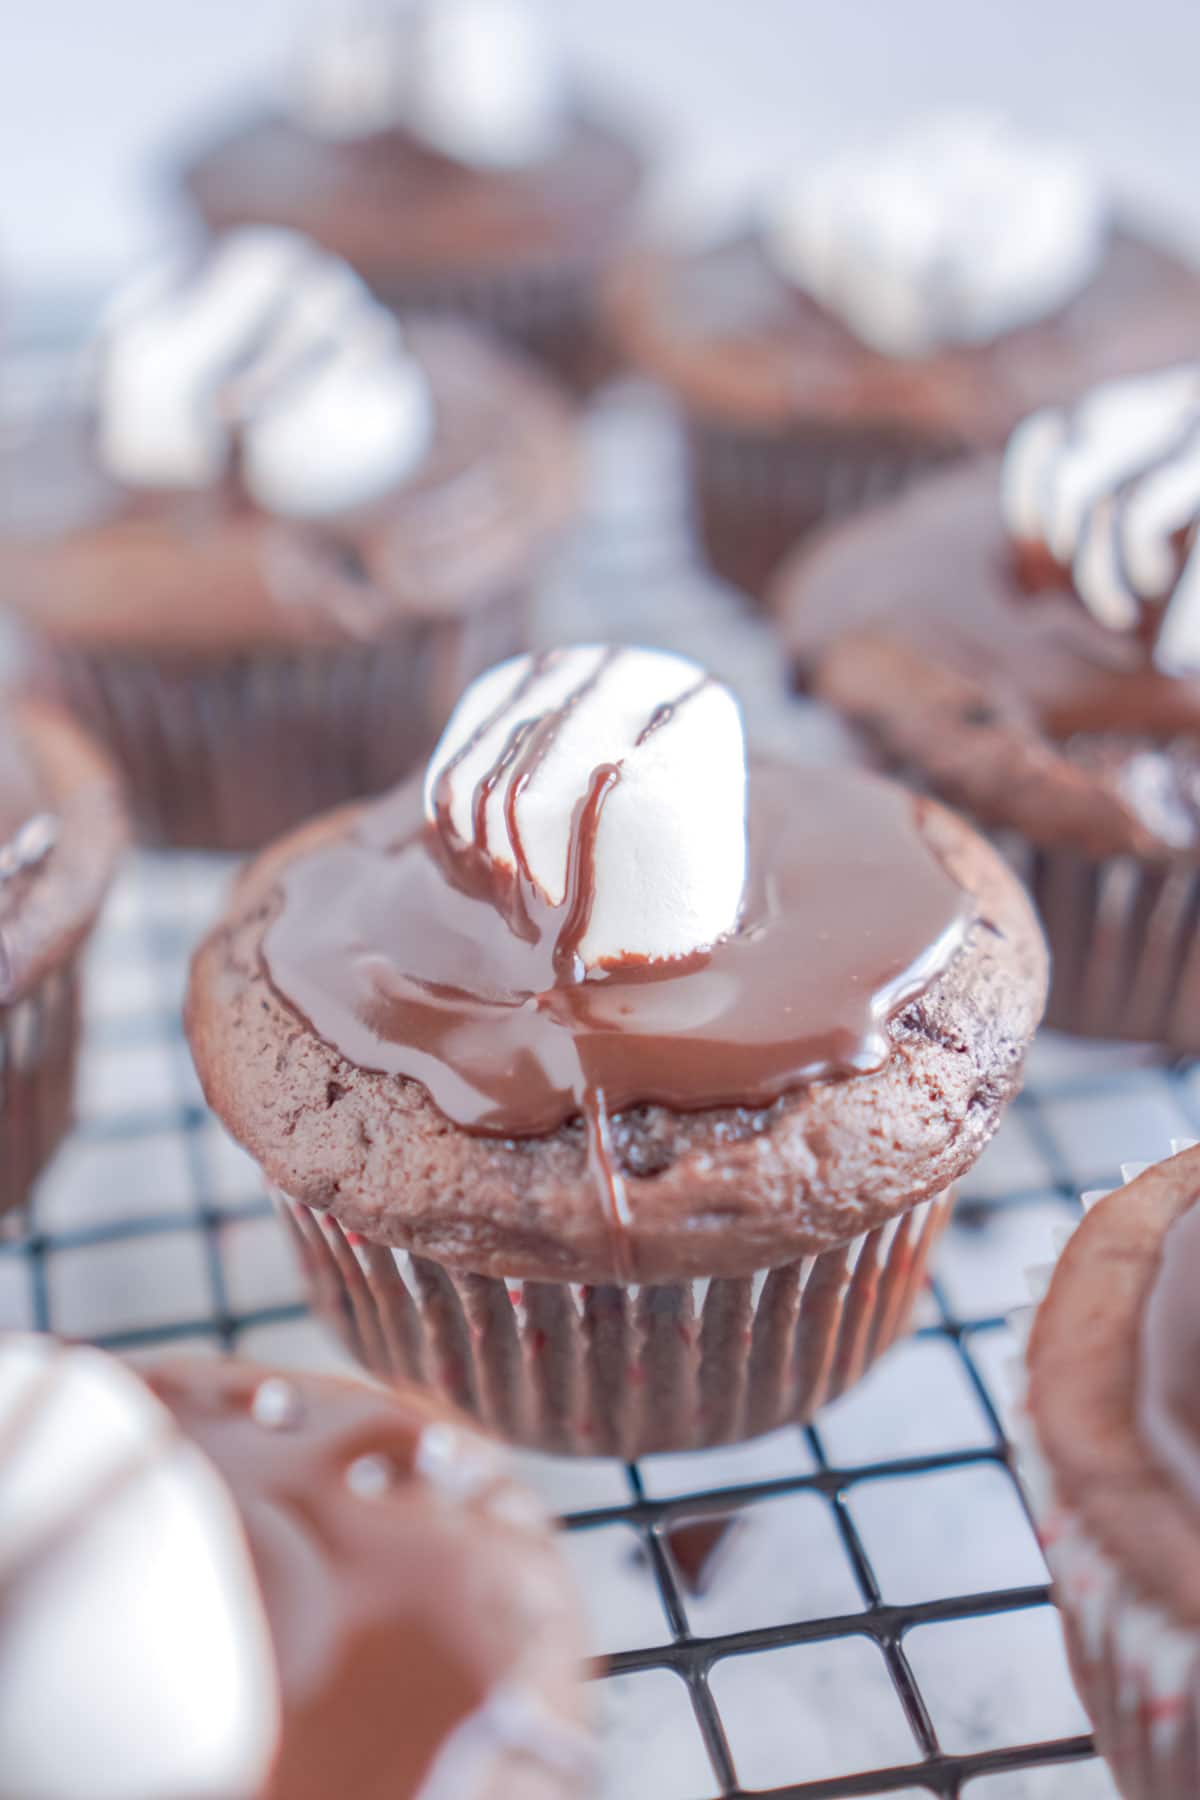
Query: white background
(91,91)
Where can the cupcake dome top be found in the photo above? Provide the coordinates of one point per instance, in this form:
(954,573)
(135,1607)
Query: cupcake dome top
(598,990)
(267,362)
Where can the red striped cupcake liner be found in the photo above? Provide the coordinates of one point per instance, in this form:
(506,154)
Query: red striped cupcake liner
(622,1371)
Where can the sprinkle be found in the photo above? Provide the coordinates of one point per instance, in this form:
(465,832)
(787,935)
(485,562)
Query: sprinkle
(456,1463)
(276,1405)
(370,1477)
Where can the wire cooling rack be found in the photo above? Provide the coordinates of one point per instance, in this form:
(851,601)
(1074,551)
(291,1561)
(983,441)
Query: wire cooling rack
(860,1608)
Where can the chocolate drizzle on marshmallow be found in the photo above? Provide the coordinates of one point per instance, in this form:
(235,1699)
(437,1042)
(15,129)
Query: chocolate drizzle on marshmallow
(595,908)
(1104,496)
(269,363)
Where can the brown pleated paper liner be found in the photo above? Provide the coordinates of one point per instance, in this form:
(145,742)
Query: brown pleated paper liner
(623,1371)
(757,495)
(225,755)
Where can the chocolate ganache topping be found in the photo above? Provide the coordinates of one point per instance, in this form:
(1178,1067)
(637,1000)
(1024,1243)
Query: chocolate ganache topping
(596,907)
(1169,1379)
(1103,498)
(288,1574)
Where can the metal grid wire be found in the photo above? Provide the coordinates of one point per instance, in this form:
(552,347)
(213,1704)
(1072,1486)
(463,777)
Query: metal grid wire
(858,1608)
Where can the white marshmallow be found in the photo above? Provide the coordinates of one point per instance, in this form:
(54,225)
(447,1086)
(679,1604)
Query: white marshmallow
(1106,487)
(479,80)
(274,339)
(135,1656)
(670,849)
(957,231)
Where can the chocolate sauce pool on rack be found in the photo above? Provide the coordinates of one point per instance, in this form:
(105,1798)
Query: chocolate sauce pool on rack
(417,960)
(1169,1379)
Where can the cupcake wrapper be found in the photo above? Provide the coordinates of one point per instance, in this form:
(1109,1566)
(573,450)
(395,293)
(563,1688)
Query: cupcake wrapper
(757,496)
(227,755)
(552,313)
(623,1371)
(39,1038)
(1124,940)
(1137,1672)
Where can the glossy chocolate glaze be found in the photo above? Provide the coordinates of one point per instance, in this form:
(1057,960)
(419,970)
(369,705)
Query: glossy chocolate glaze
(414,957)
(377,1667)
(396,209)
(918,619)
(1169,1376)
(742,345)
(86,557)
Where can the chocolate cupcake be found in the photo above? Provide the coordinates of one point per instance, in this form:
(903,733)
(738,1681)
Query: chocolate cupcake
(441,148)
(1025,639)
(886,313)
(612,1089)
(263,555)
(1113,1471)
(222,1580)
(62,829)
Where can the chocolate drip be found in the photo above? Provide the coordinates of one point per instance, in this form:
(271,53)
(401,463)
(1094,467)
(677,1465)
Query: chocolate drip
(1169,1377)
(403,958)
(368,1598)
(662,715)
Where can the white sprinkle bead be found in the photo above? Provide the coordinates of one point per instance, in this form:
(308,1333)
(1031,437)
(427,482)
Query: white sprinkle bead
(276,1405)
(457,1464)
(370,1477)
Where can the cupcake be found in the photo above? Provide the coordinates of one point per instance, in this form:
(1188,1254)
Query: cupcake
(442,149)
(1113,1471)
(612,1086)
(62,830)
(1024,637)
(218,1580)
(263,554)
(884,313)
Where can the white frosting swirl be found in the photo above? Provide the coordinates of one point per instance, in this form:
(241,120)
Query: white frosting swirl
(480,81)
(135,1657)
(1109,489)
(270,346)
(955,233)
(669,858)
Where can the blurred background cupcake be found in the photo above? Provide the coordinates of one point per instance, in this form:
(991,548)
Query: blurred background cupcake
(262,551)
(885,310)
(62,829)
(321,1589)
(1024,637)
(446,151)
(606,1014)
(1113,1470)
